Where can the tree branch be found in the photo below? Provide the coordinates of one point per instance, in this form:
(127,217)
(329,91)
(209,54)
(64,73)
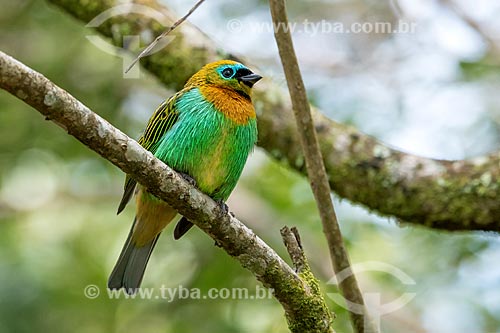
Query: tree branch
(316,169)
(452,195)
(291,239)
(302,307)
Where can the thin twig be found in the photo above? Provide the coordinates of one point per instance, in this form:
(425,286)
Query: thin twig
(316,169)
(148,49)
(291,239)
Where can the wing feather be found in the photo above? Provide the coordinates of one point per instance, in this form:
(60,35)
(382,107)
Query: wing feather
(160,123)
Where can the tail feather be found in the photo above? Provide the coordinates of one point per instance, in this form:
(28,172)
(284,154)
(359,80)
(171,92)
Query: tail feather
(131,265)
(182,227)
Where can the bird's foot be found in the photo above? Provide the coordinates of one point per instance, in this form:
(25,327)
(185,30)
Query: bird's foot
(223,206)
(188,178)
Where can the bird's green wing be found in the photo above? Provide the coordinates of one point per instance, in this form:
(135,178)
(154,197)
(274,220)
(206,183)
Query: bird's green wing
(162,120)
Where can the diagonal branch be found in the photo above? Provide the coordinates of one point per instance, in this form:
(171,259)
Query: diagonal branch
(302,308)
(451,195)
(316,169)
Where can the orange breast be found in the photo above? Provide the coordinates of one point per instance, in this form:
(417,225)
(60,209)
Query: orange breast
(233,105)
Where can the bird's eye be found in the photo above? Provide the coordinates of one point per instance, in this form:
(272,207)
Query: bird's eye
(227,73)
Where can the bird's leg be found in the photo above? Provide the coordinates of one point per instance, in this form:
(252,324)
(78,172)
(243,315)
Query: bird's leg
(223,206)
(225,210)
(188,178)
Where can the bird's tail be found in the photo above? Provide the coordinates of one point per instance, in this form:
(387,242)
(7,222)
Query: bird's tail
(131,264)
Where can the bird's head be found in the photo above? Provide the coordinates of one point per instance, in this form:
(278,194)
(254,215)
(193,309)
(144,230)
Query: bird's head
(226,74)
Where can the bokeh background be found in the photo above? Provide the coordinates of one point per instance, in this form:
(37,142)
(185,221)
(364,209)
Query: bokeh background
(433,92)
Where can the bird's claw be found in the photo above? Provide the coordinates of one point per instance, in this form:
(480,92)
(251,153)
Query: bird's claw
(223,206)
(188,178)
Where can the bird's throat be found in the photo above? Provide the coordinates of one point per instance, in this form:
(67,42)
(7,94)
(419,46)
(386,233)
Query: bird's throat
(233,105)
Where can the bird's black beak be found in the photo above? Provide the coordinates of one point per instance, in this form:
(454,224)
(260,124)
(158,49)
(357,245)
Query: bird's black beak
(250,79)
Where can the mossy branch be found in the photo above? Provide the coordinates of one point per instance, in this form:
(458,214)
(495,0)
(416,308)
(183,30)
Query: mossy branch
(291,238)
(452,195)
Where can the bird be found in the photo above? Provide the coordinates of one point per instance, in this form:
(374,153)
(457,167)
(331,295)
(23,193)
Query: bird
(205,132)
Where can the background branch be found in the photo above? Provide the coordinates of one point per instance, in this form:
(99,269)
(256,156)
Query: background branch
(303,309)
(316,169)
(452,195)
(148,49)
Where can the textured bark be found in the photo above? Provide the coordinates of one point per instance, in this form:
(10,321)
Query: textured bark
(452,195)
(302,306)
(291,239)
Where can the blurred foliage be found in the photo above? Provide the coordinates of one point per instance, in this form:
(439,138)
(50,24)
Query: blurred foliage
(479,70)
(59,232)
